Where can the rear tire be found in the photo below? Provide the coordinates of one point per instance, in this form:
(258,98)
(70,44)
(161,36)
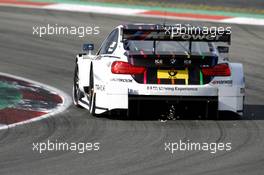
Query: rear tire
(91,94)
(76,93)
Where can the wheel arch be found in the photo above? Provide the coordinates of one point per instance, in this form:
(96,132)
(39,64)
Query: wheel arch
(84,70)
(237,74)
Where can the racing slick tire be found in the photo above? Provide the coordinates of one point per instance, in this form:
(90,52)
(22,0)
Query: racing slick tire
(76,93)
(91,94)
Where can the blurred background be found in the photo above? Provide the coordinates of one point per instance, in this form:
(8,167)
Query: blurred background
(253,6)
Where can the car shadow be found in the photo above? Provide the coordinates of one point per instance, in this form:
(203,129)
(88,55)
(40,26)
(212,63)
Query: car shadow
(253,112)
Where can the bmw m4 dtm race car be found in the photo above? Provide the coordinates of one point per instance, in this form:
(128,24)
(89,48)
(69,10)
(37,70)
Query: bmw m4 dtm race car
(139,65)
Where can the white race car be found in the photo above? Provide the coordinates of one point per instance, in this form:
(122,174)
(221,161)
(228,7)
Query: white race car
(147,65)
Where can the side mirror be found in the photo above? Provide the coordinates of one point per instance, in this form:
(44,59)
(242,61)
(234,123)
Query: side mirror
(88,47)
(223,49)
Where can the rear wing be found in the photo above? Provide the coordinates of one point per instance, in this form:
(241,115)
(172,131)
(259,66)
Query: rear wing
(174,33)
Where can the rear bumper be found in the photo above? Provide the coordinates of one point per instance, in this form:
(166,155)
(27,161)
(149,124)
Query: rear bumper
(121,96)
(183,105)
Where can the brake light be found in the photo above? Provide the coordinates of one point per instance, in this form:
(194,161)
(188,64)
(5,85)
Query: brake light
(217,70)
(120,67)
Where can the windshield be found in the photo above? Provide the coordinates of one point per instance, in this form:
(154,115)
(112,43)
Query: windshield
(166,47)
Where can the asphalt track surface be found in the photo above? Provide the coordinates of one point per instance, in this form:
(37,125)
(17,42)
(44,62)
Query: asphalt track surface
(126,147)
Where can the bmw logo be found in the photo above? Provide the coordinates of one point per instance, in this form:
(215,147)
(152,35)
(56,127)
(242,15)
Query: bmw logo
(172,73)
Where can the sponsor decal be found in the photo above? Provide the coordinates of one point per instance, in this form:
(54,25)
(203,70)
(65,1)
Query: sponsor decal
(100,87)
(132,91)
(173,61)
(186,89)
(221,82)
(172,89)
(187,62)
(122,80)
(158,61)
